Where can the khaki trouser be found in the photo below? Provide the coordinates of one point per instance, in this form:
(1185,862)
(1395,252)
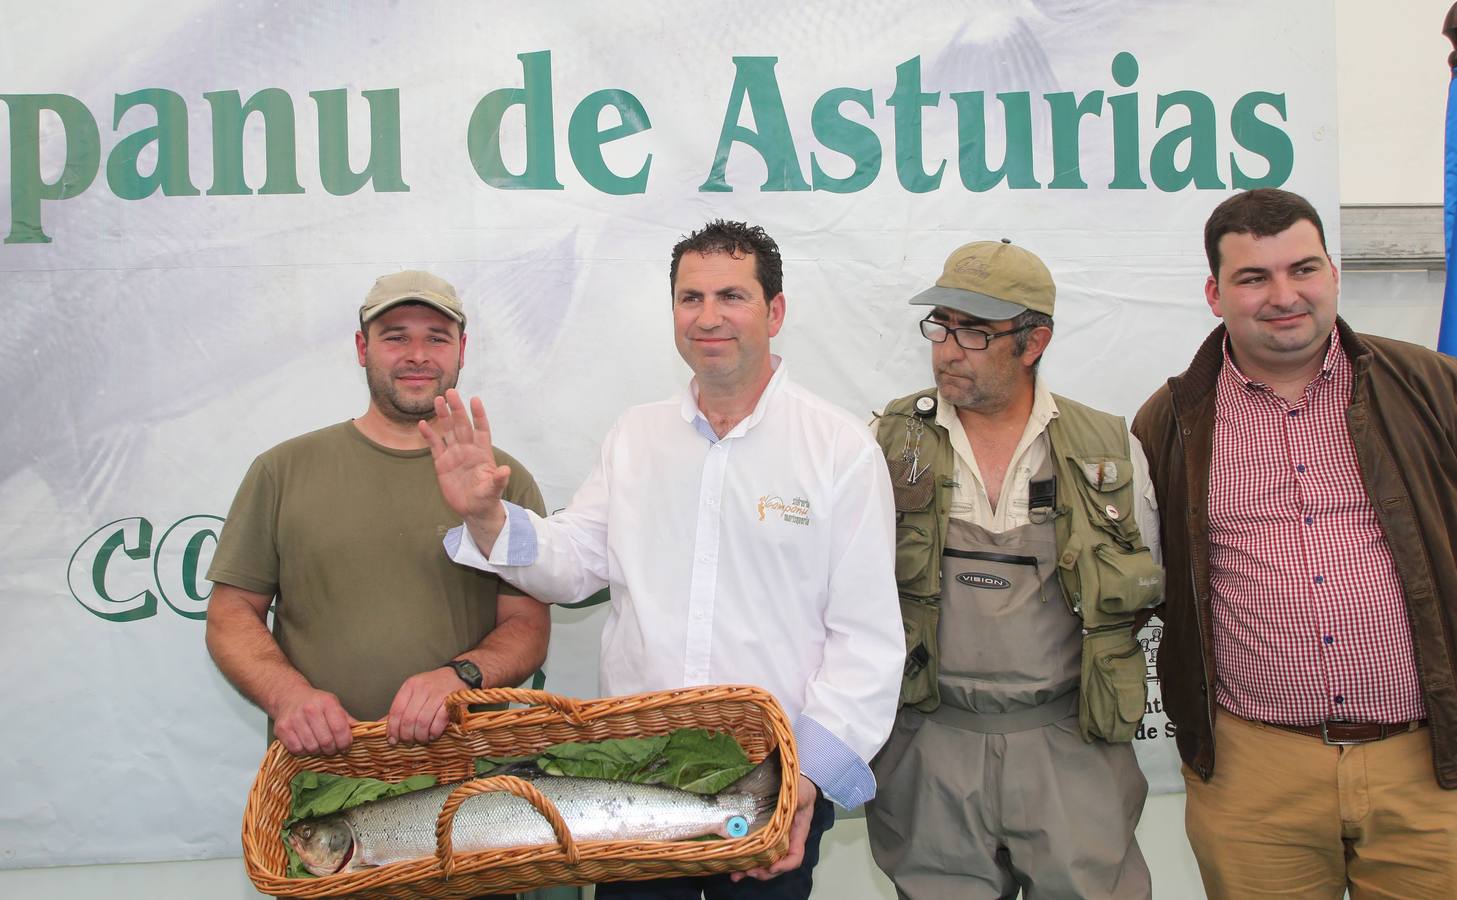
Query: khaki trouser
(1287,815)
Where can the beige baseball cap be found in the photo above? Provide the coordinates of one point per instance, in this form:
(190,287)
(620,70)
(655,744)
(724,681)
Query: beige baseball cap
(413,285)
(992,280)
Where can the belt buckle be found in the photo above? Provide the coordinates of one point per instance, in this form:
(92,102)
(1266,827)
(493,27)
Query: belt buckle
(1325,734)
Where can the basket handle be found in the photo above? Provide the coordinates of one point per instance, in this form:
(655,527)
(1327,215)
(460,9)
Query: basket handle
(445,852)
(568,708)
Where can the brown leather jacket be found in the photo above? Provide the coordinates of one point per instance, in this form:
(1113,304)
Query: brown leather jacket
(1403,421)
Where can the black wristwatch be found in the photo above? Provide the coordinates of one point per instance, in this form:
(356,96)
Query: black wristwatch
(468,671)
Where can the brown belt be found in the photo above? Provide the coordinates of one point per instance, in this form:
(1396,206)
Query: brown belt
(1334,731)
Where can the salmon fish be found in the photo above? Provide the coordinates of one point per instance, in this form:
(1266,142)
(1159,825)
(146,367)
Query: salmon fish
(400,828)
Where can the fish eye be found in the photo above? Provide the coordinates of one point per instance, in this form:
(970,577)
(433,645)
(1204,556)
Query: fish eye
(306,831)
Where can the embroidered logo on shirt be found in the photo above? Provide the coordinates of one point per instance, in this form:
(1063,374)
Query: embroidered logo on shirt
(794,511)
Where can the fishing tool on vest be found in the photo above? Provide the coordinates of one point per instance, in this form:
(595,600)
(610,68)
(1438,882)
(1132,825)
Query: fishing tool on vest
(907,473)
(915,428)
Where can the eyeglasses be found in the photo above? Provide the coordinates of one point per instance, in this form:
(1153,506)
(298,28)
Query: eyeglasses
(966,338)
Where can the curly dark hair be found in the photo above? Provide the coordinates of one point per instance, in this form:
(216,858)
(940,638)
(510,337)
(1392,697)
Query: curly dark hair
(1262,212)
(737,239)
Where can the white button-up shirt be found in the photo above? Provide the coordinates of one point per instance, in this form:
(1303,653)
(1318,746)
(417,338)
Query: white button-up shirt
(765,557)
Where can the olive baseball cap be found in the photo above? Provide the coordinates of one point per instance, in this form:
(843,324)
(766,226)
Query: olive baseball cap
(412,286)
(992,280)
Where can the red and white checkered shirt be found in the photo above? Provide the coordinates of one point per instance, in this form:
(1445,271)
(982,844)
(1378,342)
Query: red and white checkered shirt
(1310,620)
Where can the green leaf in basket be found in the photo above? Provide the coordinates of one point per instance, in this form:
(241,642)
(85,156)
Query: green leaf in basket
(690,759)
(320,793)
(623,759)
(703,762)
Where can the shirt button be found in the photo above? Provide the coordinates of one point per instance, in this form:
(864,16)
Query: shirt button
(1329,640)
(1300,468)
(1294,413)
(1320,579)
(1340,699)
(1310,520)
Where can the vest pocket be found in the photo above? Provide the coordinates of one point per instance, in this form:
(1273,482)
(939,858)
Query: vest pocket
(1083,579)
(1114,686)
(908,496)
(918,678)
(913,557)
(1106,490)
(1127,582)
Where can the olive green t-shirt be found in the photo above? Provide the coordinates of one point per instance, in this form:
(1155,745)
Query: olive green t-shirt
(346,535)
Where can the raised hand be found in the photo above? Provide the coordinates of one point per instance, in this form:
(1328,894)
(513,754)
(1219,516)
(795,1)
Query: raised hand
(465,466)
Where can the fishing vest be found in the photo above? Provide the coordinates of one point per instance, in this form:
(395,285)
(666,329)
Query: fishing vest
(1106,571)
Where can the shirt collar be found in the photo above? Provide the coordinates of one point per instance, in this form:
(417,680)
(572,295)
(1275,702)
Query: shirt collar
(1044,406)
(1334,357)
(694,416)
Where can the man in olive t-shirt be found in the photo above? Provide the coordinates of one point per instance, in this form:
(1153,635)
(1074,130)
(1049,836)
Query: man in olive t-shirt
(342,526)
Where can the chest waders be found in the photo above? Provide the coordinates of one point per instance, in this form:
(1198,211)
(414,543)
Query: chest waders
(1105,572)
(995,790)
(1019,652)
(1009,647)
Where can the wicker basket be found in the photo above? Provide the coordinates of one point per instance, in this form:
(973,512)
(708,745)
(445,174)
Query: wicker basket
(750,714)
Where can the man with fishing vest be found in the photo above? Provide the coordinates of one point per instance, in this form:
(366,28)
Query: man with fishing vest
(1026,547)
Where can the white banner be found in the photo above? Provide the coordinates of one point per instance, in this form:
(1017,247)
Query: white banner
(196,197)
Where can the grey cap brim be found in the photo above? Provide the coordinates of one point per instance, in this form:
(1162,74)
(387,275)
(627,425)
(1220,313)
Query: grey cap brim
(970,303)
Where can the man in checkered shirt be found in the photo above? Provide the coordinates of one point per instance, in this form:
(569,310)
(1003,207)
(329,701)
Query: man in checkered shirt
(1307,485)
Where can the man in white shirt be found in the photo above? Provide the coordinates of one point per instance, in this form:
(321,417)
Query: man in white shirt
(745,530)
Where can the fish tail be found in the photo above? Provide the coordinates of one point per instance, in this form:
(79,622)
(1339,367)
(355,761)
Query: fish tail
(763,811)
(762,783)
